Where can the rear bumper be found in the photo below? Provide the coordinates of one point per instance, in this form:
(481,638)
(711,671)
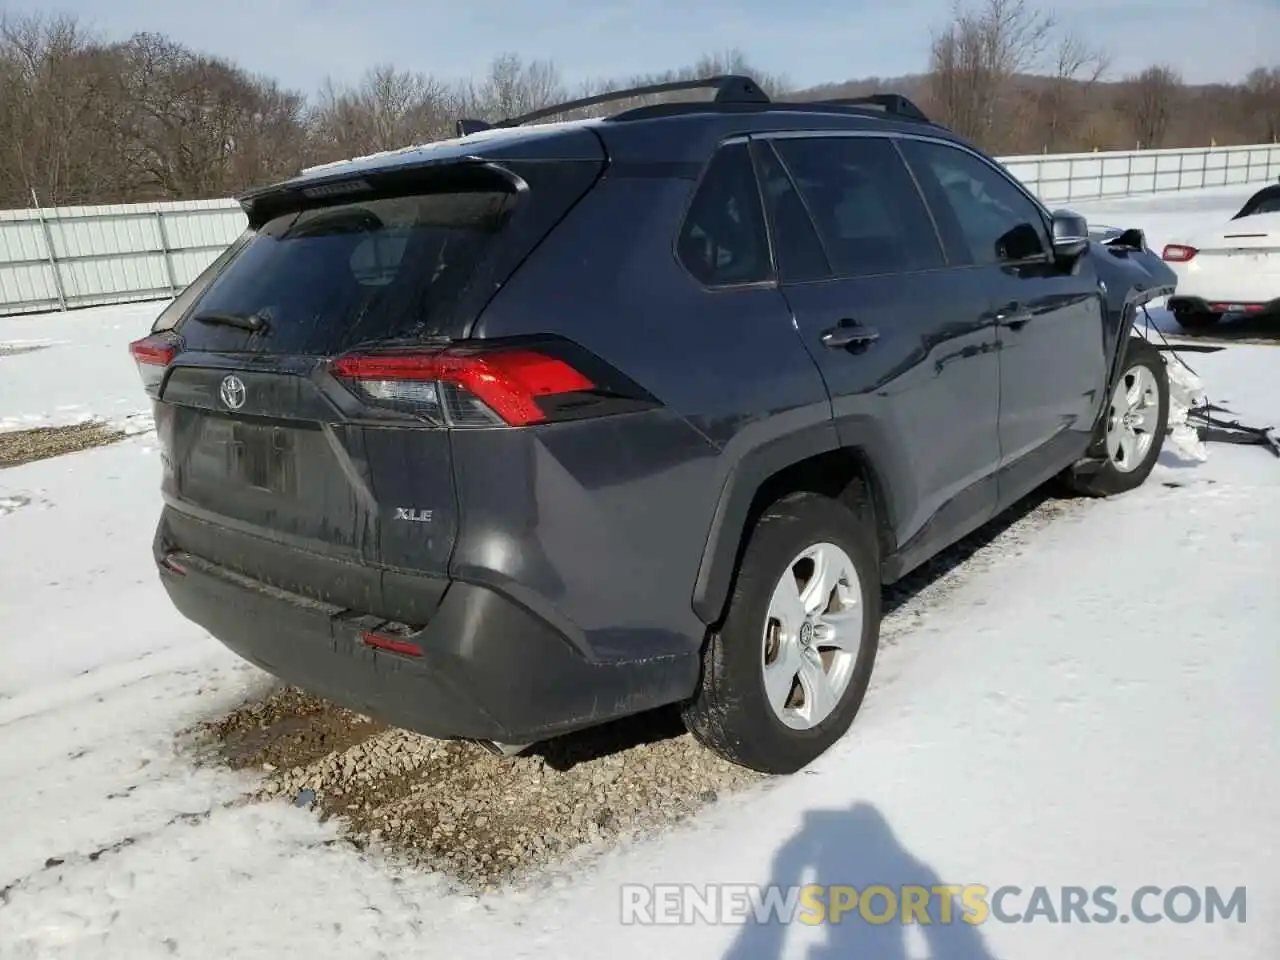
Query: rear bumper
(489,669)
(1195,304)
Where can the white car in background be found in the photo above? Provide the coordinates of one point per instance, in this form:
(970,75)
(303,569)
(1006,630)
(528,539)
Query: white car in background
(1233,268)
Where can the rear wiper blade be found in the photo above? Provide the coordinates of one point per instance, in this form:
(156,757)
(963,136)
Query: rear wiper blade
(253,322)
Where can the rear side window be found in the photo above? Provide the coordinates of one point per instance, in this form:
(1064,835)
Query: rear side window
(723,240)
(996,221)
(869,214)
(796,245)
(330,277)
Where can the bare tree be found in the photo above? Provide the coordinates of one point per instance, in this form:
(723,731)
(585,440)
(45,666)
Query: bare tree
(83,121)
(1065,95)
(1262,103)
(1148,103)
(273,140)
(59,113)
(389,109)
(976,61)
(200,126)
(513,87)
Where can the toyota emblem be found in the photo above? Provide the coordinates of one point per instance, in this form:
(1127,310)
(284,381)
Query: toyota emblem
(232,392)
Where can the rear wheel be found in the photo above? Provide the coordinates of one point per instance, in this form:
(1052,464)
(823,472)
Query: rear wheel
(1133,425)
(1196,319)
(785,674)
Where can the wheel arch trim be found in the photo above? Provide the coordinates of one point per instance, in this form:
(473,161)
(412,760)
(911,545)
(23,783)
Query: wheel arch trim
(749,476)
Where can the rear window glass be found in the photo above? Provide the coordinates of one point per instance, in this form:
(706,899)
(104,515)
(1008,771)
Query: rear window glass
(331,277)
(1264,201)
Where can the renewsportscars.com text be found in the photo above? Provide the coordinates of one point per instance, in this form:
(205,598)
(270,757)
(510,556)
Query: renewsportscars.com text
(661,904)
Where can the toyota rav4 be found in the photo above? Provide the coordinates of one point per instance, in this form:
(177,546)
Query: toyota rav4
(517,433)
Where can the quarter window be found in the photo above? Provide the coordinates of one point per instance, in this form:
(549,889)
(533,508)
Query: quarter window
(724,240)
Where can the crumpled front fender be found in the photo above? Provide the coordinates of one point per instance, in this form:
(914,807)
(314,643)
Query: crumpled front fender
(1132,275)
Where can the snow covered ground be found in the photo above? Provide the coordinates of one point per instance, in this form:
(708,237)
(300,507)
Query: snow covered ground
(64,368)
(1098,707)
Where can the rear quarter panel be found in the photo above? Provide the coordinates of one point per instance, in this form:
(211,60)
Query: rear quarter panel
(607,520)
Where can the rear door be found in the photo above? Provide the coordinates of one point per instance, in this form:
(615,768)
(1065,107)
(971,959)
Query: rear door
(268,441)
(1050,320)
(904,341)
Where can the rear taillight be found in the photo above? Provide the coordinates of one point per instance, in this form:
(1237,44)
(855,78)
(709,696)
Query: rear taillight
(1178,253)
(510,386)
(153,354)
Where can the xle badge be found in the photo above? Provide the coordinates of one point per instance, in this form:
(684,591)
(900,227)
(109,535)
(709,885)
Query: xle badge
(413,514)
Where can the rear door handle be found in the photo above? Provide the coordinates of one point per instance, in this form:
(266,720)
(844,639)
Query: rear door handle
(849,333)
(1013,315)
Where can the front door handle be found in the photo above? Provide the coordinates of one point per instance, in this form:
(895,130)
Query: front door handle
(849,333)
(1013,315)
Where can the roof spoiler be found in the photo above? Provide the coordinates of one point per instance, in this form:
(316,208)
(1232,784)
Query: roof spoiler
(347,178)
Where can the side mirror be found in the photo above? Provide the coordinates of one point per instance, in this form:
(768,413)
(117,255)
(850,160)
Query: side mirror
(1070,234)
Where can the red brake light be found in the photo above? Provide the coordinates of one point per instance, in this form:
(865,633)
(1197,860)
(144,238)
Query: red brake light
(465,389)
(153,354)
(1178,253)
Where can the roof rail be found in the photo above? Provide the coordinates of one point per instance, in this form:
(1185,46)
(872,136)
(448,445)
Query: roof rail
(732,92)
(729,88)
(892,103)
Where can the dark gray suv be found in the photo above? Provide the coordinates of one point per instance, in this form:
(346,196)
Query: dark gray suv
(517,433)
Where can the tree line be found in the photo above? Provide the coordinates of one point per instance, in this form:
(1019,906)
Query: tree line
(86,120)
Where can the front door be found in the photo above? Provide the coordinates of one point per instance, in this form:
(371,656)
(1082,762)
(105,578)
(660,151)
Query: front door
(1050,319)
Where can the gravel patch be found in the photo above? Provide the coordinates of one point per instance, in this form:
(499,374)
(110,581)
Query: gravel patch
(488,821)
(24,446)
(454,807)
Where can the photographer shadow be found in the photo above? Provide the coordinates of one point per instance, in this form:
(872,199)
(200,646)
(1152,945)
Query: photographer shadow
(857,848)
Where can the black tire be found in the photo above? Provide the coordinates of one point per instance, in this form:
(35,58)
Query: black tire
(729,712)
(1110,479)
(1196,319)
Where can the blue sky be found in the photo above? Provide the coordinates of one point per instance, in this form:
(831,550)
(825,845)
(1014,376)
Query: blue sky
(810,41)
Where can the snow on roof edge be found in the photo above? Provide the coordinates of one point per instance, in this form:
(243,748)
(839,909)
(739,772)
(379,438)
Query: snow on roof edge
(481,136)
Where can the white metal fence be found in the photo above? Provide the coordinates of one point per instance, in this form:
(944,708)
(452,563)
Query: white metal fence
(1064,178)
(60,258)
(67,257)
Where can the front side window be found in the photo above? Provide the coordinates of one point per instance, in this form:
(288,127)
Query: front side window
(867,210)
(723,240)
(996,222)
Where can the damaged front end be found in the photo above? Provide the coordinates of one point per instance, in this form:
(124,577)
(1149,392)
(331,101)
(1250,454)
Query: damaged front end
(1133,275)
(1130,276)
